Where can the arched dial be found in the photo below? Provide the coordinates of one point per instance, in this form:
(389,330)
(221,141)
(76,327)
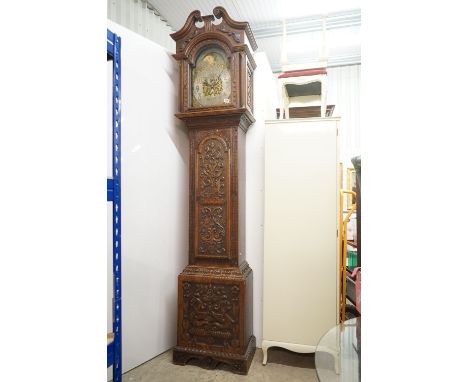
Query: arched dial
(211,79)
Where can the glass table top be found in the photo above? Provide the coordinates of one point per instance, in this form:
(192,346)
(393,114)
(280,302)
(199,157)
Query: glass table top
(338,354)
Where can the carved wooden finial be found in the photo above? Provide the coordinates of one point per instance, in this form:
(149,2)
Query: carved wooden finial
(220,12)
(228,25)
(208,20)
(191,19)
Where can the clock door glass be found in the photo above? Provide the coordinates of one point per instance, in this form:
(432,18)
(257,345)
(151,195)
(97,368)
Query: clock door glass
(211,79)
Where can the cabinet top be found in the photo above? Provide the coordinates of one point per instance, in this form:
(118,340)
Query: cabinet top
(301,120)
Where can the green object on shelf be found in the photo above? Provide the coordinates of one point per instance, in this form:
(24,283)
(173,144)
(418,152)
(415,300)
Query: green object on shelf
(352,259)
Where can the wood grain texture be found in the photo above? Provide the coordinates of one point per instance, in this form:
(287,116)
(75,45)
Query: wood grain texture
(215,322)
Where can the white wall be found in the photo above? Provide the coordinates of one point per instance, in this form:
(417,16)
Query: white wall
(154,198)
(265,103)
(344,84)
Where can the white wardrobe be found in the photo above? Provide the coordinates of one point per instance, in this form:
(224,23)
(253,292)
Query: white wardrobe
(301,263)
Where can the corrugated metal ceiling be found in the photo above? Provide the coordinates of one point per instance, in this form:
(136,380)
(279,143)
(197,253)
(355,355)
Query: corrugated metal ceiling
(303,20)
(256,12)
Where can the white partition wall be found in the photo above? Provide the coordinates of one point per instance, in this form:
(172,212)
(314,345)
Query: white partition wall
(154,198)
(265,104)
(344,93)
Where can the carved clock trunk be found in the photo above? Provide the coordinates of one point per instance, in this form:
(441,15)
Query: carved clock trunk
(214,323)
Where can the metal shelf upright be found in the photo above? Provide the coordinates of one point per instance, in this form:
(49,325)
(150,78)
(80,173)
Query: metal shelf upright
(114,339)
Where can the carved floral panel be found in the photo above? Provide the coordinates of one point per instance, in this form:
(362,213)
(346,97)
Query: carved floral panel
(211,315)
(212,231)
(212,169)
(249,87)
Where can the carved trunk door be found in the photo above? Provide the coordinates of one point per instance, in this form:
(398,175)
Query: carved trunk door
(212,196)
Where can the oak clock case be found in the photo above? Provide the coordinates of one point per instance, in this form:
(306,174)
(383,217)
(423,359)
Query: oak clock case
(214,321)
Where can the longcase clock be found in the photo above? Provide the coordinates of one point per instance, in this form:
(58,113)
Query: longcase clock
(214,323)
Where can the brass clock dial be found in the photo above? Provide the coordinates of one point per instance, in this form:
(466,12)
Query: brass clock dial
(211,79)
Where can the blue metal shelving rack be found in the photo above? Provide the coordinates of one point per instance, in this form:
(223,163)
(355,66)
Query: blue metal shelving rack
(114,348)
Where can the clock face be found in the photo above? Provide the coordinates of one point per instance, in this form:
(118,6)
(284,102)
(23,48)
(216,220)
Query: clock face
(211,79)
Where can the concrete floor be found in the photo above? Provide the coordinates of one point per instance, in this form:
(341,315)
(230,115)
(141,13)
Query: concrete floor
(282,366)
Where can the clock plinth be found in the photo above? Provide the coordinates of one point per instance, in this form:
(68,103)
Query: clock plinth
(215,317)
(214,322)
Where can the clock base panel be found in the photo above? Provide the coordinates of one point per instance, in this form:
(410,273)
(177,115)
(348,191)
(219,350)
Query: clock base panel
(237,363)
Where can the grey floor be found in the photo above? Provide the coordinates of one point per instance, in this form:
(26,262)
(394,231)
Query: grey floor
(282,366)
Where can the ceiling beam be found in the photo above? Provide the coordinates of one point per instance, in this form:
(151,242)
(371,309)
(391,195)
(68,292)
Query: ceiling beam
(332,62)
(343,19)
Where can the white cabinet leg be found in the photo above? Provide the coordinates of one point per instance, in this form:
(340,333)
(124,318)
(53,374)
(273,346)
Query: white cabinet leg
(265,354)
(337,363)
(323,105)
(323,109)
(281,99)
(286,105)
